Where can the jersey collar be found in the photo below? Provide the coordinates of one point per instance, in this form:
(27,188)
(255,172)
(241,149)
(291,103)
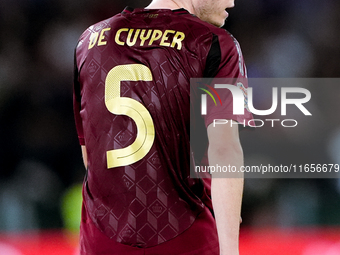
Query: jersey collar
(129,10)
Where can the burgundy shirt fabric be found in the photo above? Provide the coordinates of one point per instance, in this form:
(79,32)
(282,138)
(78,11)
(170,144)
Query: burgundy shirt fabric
(154,200)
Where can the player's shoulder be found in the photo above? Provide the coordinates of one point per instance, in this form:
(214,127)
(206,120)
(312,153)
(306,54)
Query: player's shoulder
(96,27)
(90,32)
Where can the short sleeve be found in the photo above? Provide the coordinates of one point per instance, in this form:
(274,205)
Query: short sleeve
(232,71)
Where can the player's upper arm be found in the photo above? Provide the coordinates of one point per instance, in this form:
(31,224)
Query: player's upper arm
(224,143)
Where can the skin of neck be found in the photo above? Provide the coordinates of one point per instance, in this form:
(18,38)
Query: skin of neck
(172,4)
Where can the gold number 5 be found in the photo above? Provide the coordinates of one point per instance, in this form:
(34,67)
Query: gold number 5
(127,106)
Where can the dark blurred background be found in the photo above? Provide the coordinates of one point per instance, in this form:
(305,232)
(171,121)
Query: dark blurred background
(40,159)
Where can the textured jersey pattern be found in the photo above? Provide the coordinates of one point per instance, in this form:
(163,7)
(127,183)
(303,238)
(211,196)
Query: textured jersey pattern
(152,200)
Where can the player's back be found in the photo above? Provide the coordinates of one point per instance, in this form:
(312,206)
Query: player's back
(134,73)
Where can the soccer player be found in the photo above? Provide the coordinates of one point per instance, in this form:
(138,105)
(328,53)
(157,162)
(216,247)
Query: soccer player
(132,110)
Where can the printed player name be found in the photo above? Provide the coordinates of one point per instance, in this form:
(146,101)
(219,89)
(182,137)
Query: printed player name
(131,36)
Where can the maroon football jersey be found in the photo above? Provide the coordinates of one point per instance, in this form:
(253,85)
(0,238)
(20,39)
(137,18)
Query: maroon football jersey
(132,111)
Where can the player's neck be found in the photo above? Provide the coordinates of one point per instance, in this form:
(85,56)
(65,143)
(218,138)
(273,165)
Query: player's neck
(168,4)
